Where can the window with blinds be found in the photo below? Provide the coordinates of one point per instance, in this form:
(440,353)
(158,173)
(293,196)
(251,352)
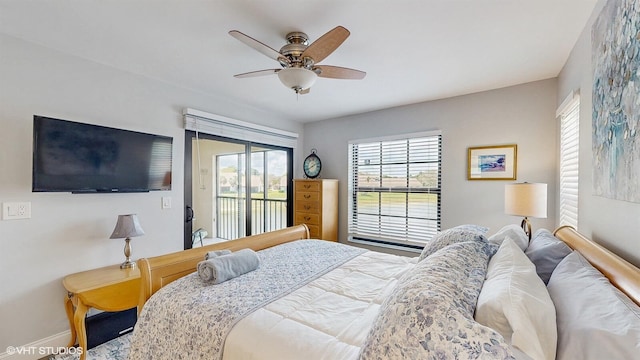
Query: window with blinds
(569,156)
(395,189)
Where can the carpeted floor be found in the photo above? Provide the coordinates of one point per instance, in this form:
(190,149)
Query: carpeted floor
(116,349)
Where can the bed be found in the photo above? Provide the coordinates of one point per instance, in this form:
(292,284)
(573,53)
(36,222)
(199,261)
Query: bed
(316,299)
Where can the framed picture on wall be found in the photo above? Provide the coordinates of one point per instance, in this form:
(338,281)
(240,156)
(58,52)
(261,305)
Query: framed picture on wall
(492,162)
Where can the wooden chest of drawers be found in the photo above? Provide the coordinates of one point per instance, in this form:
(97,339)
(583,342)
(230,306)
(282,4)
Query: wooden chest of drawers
(315,203)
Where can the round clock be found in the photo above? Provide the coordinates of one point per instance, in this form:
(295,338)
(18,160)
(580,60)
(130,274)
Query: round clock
(312,165)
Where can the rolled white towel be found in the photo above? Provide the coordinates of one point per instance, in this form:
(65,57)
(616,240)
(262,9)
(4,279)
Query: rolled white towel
(226,267)
(216,253)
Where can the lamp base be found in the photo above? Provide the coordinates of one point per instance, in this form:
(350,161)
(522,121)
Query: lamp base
(526,226)
(128,265)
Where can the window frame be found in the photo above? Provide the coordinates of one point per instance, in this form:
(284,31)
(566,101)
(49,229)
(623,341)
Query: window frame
(384,238)
(568,115)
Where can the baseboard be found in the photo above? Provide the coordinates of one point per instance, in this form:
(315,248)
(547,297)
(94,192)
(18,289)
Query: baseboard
(38,349)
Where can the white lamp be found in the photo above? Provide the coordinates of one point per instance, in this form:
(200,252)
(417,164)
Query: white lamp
(297,78)
(127,227)
(526,199)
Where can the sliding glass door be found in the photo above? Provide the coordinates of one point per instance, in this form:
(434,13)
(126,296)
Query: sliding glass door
(234,189)
(269,186)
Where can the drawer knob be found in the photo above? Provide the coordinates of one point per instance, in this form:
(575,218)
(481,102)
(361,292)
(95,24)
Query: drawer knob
(306,218)
(307,186)
(307,207)
(307,196)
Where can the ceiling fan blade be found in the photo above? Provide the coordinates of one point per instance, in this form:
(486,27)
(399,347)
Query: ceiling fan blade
(257,73)
(326,44)
(337,72)
(304,91)
(257,45)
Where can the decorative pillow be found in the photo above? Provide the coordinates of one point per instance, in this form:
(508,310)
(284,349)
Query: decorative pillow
(472,227)
(453,235)
(546,251)
(515,302)
(516,233)
(595,319)
(429,314)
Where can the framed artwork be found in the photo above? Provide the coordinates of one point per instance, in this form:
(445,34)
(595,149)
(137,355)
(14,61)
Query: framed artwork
(492,162)
(615,137)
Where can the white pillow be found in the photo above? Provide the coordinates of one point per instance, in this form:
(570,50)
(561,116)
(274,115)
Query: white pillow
(514,301)
(515,232)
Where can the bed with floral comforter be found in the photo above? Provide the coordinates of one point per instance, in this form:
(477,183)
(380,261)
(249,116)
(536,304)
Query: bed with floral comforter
(315,299)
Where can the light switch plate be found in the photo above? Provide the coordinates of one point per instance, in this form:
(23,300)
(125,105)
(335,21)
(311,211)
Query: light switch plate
(166,202)
(16,210)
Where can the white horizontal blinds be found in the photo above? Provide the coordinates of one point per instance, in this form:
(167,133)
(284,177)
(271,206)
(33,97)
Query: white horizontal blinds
(219,125)
(569,159)
(394,189)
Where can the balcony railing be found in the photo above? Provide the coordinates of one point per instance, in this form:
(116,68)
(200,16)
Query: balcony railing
(266,215)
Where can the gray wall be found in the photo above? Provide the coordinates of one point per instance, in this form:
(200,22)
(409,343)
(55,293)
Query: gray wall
(613,223)
(522,115)
(70,233)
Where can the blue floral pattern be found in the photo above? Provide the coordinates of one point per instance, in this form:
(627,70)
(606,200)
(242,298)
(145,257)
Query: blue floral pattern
(453,235)
(190,319)
(429,314)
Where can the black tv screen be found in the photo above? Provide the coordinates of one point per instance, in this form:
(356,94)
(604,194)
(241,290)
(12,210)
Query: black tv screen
(82,158)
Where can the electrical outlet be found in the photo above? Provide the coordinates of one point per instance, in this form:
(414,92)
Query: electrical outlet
(16,210)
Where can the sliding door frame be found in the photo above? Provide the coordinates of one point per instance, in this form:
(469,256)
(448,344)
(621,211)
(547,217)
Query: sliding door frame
(188,178)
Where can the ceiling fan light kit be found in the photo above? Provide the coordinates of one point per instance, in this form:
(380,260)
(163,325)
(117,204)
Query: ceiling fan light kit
(299,60)
(297,79)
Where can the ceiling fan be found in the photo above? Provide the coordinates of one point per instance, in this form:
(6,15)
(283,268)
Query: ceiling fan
(299,60)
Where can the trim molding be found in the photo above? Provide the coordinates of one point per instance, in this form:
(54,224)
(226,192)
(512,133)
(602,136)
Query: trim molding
(569,100)
(219,125)
(38,349)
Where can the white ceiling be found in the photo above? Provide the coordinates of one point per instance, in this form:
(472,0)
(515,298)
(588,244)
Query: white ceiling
(412,50)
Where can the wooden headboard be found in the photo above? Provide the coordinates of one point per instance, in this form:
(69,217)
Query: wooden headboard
(156,272)
(622,274)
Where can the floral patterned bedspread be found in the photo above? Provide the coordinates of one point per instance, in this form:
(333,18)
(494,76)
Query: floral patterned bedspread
(429,314)
(190,319)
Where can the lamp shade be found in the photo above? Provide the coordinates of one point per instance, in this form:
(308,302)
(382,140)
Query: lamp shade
(297,78)
(526,199)
(127,226)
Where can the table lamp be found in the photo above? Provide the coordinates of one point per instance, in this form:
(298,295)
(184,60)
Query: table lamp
(526,199)
(127,227)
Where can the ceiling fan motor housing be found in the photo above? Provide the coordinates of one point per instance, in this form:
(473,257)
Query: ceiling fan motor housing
(297,43)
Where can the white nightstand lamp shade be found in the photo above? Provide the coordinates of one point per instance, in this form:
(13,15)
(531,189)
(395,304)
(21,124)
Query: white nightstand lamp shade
(127,227)
(526,199)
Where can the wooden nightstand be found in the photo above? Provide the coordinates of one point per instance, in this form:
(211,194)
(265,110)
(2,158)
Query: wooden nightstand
(108,289)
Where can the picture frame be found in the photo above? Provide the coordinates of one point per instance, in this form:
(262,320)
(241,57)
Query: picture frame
(497,162)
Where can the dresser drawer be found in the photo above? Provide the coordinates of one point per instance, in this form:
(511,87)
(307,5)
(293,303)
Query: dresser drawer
(308,185)
(309,196)
(314,231)
(307,206)
(305,218)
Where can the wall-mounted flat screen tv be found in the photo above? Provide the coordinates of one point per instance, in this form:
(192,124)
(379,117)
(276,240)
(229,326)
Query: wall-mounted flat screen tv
(82,158)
